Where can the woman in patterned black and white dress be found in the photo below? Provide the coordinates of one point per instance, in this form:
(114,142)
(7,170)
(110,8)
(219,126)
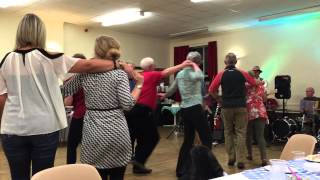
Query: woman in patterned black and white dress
(106,140)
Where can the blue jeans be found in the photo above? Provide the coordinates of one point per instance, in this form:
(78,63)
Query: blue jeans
(21,151)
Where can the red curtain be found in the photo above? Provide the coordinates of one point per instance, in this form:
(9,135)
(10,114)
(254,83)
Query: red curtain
(212,59)
(180,54)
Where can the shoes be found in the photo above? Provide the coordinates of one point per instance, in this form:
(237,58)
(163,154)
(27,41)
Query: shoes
(139,168)
(231,162)
(249,158)
(240,165)
(179,175)
(264,162)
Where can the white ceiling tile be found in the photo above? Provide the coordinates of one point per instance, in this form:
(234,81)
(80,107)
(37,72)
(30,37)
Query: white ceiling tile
(170,16)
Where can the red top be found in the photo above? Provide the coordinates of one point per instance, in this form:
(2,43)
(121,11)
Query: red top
(148,95)
(79,105)
(217,80)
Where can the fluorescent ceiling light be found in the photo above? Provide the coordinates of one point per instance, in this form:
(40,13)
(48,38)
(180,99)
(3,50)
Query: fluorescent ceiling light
(290,13)
(9,3)
(189,32)
(199,1)
(122,16)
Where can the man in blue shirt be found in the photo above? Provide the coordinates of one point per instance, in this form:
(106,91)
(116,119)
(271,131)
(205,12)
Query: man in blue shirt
(189,81)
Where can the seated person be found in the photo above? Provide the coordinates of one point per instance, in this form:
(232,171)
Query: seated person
(308,107)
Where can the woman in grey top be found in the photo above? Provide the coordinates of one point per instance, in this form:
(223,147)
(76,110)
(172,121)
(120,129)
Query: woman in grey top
(106,141)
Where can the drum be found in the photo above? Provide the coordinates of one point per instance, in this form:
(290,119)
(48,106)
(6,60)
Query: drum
(282,128)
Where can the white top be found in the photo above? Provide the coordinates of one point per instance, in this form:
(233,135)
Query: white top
(34,104)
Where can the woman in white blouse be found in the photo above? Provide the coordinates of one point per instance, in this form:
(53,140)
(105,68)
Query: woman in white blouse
(31,104)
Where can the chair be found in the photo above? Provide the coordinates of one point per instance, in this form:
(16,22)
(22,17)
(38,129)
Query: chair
(68,172)
(298,142)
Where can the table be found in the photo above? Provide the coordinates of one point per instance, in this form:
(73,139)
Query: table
(174,109)
(263,174)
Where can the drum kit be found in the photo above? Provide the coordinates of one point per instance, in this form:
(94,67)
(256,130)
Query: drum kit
(284,124)
(285,127)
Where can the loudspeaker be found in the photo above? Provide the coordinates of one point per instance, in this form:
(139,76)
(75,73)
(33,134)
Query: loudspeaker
(283,87)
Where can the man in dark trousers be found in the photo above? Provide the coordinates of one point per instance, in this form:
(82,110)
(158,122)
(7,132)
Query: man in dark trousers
(140,119)
(234,112)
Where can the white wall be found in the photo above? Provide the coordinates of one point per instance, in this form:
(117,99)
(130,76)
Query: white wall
(70,39)
(9,25)
(292,49)
(133,47)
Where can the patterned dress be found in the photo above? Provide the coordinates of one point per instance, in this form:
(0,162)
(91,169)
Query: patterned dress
(105,140)
(255,106)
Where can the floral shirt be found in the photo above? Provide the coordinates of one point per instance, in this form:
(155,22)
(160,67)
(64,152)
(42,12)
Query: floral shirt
(255,106)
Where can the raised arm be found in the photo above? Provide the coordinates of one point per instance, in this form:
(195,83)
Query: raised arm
(127,99)
(72,86)
(92,66)
(251,80)
(214,86)
(197,74)
(171,70)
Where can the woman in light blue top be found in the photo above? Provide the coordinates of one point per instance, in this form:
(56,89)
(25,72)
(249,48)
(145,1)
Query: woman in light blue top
(189,82)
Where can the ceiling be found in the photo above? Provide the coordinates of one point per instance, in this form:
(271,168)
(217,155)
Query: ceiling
(169,16)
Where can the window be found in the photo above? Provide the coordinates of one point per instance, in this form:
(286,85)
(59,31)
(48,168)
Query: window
(203,50)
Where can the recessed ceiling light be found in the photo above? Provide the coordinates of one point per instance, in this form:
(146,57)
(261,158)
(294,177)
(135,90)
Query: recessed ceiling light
(8,3)
(122,16)
(199,1)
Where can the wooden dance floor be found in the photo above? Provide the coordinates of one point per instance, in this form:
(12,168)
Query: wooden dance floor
(163,160)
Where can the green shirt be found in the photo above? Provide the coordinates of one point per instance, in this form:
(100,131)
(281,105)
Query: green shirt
(190,84)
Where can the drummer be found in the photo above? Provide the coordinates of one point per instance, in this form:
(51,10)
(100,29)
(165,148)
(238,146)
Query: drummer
(309,106)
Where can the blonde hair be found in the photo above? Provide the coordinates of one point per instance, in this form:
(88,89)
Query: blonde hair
(31,32)
(107,48)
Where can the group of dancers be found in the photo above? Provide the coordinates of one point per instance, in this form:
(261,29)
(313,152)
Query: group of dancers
(113,116)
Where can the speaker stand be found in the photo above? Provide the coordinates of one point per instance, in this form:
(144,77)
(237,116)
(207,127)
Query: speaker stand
(283,108)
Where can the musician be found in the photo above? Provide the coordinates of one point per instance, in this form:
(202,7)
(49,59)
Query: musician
(257,117)
(308,107)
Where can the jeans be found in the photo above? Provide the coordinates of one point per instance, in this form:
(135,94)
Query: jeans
(21,151)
